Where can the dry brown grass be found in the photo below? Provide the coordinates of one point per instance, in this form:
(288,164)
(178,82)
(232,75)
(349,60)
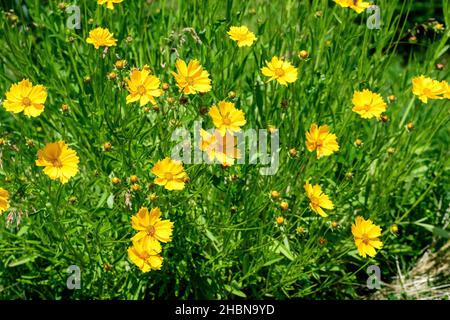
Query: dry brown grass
(429,279)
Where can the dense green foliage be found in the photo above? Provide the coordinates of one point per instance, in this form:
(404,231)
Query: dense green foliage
(226,243)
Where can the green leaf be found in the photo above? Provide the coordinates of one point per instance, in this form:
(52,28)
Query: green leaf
(435,230)
(102,200)
(110,201)
(441,53)
(235,291)
(22,231)
(259,97)
(281,248)
(21,261)
(268,263)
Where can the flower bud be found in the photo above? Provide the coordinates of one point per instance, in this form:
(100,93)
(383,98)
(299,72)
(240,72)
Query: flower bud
(280,220)
(303,54)
(275,194)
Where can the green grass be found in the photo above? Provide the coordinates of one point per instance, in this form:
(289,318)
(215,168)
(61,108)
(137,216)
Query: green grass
(226,243)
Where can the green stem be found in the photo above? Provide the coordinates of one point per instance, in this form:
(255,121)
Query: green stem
(408,109)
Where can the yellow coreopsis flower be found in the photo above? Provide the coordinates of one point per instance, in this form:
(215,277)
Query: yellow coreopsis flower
(242,36)
(191,78)
(59,160)
(357,5)
(366,236)
(150,226)
(146,255)
(219,147)
(109,3)
(101,37)
(23,96)
(318,199)
(226,117)
(282,71)
(170,174)
(321,140)
(426,88)
(143,87)
(4,200)
(368,104)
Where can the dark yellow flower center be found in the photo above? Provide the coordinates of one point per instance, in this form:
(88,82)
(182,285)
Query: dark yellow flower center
(367,107)
(242,36)
(427,92)
(365,238)
(141,90)
(151,230)
(190,81)
(168,176)
(279,72)
(226,121)
(144,255)
(315,201)
(57,163)
(26,101)
(319,144)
